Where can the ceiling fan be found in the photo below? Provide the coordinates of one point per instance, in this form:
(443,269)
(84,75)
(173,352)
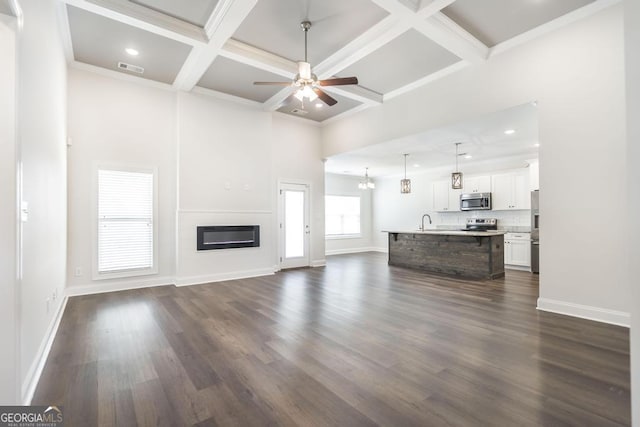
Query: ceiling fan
(307,83)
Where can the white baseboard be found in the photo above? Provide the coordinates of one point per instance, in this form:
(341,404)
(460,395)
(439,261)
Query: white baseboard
(234,275)
(350,251)
(384,250)
(619,318)
(122,285)
(35,370)
(319,263)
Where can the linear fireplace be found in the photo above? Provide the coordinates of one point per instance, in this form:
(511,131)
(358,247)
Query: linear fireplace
(228,236)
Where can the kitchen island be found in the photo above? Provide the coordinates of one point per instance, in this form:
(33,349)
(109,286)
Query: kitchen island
(468,254)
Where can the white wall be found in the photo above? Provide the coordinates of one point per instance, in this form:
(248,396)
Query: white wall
(118,123)
(218,163)
(297,155)
(225,178)
(577,76)
(42,119)
(344,185)
(8,217)
(632,46)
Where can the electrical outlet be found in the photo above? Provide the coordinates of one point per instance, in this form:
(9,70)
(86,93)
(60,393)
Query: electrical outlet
(78,271)
(54,296)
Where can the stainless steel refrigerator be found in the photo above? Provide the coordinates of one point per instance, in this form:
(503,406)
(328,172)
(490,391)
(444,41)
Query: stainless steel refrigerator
(535,232)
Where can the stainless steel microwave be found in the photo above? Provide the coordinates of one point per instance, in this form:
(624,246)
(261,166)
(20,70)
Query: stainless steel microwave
(475,202)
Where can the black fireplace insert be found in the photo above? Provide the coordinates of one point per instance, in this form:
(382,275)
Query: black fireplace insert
(228,236)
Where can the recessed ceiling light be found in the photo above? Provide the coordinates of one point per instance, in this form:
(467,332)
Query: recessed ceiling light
(468,156)
(509,132)
(416,165)
(131,51)
(319,105)
(537,144)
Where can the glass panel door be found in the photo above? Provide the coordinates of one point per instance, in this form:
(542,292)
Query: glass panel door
(294,225)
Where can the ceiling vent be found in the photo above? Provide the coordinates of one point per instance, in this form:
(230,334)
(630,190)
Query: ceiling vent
(299,112)
(129,67)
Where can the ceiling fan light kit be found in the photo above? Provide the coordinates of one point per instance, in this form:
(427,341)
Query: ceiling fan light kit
(306,83)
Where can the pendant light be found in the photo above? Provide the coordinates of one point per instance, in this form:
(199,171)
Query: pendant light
(405,184)
(366,183)
(456,177)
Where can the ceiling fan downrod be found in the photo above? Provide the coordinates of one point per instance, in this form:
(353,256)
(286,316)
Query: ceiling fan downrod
(306,26)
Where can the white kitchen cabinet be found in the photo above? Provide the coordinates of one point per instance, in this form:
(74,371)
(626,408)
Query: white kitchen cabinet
(477,184)
(454,200)
(517,250)
(441,196)
(510,191)
(445,199)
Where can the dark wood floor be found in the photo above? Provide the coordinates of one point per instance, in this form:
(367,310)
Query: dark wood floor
(355,343)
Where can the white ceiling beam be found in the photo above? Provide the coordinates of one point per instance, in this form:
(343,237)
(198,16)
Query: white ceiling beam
(377,36)
(144,18)
(426,80)
(438,27)
(569,18)
(431,7)
(258,58)
(224,21)
(357,93)
(395,7)
(451,36)
(371,40)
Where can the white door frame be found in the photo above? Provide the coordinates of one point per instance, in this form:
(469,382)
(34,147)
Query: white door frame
(304,261)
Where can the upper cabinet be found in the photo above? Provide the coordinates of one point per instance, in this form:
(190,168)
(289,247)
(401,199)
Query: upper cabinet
(510,191)
(476,184)
(445,199)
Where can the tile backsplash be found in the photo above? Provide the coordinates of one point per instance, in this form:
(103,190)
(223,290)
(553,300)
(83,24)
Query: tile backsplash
(519,218)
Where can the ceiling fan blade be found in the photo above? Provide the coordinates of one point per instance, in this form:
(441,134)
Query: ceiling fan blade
(339,81)
(272,83)
(324,97)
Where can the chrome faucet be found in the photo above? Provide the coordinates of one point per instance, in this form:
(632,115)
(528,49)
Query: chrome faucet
(427,215)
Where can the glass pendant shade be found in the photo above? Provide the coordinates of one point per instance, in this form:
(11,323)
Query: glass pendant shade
(456,180)
(405,184)
(366,183)
(456,177)
(306,92)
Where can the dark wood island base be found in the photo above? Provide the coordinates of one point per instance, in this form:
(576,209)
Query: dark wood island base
(471,255)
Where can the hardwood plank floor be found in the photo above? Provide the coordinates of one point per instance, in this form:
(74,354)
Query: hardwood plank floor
(354,343)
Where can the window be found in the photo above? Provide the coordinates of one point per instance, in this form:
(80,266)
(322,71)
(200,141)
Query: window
(126,231)
(342,216)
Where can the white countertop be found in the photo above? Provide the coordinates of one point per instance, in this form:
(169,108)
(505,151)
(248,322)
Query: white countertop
(449,232)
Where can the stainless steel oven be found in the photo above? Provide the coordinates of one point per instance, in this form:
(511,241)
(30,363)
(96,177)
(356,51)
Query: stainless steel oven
(475,202)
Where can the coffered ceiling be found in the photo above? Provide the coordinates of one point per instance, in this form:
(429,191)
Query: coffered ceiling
(222,46)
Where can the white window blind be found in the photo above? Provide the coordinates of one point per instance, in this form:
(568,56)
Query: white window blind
(125,220)
(342,215)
